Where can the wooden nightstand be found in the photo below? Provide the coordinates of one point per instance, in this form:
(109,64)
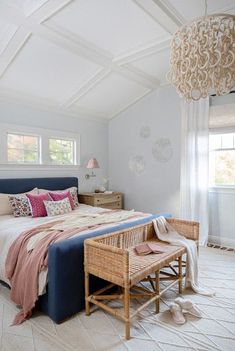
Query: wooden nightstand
(112,201)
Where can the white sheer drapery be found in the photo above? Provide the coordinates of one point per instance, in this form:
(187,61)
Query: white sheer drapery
(195,164)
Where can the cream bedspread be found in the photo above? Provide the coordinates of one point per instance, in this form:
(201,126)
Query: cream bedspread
(11,228)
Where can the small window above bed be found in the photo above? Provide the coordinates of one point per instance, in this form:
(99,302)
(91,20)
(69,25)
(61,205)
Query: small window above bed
(62,151)
(22,148)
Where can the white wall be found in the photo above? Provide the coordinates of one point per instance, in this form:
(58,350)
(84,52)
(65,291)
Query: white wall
(157,189)
(94,140)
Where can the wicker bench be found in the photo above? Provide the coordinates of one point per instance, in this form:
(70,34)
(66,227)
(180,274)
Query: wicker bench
(113,258)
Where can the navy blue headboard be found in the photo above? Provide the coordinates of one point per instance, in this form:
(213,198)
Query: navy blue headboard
(22,185)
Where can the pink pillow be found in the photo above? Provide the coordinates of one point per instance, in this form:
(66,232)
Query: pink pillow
(62,196)
(38,208)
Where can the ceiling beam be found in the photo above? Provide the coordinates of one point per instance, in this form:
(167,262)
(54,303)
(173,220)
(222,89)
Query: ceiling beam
(162,13)
(24,24)
(151,49)
(47,10)
(13,48)
(138,76)
(73,43)
(62,37)
(37,24)
(85,88)
(133,102)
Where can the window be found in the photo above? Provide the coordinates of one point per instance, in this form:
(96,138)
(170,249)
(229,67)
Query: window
(23,148)
(61,151)
(222,159)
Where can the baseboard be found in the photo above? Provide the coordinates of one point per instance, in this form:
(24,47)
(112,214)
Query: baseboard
(221,241)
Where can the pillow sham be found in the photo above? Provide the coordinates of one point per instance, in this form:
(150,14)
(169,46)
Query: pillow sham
(61,196)
(55,208)
(37,206)
(19,205)
(5,205)
(73,191)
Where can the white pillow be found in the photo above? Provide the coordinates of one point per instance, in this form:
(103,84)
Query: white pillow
(55,208)
(5,206)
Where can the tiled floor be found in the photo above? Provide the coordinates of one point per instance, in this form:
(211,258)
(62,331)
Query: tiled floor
(100,331)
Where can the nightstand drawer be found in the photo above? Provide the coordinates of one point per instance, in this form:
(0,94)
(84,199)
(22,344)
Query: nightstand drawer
(113,205)
(111,201)
(106,199)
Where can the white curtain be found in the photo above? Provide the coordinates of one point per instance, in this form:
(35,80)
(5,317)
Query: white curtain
(195,164)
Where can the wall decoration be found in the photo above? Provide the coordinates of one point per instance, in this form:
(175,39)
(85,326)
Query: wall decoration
(145,132)
(162,150)
(137,164)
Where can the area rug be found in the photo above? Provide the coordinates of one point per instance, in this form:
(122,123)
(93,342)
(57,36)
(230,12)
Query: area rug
(100,331)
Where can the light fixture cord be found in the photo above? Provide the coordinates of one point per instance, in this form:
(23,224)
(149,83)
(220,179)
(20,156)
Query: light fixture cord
(205,8)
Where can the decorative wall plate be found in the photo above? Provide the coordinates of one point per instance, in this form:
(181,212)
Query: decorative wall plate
(162,150)
(137,164)
(145,132)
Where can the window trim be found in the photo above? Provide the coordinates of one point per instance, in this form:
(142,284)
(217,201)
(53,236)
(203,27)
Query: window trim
(221,130)
(44,136)
(65,139)
(221,188)
(39,151)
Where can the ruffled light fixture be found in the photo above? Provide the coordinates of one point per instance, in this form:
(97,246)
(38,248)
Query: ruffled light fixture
(203,57)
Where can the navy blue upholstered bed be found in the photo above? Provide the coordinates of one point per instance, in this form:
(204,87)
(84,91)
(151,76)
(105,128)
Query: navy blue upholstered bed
(65,289)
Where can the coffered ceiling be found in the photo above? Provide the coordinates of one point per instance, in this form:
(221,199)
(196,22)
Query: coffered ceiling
(90,58)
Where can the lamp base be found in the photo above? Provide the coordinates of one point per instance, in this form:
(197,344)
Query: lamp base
(100,190)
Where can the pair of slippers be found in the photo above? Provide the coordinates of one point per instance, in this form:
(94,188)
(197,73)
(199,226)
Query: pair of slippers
(181,306)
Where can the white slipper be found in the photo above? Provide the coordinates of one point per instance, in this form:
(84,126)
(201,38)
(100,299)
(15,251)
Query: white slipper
(189,307)
(176,312)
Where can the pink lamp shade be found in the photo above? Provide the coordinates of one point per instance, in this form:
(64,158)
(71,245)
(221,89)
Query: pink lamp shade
(92,163)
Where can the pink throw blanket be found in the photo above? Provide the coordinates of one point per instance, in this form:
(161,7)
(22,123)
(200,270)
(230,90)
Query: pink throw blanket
(23,267)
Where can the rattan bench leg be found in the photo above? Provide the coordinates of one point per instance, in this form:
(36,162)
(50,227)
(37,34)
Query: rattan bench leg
(127,312)
(87,292)
(180,274)
(157,290)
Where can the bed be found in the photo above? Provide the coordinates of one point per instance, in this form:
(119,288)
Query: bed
(65,289)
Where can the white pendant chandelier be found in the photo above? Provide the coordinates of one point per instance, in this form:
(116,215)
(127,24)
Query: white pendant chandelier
(203,57)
